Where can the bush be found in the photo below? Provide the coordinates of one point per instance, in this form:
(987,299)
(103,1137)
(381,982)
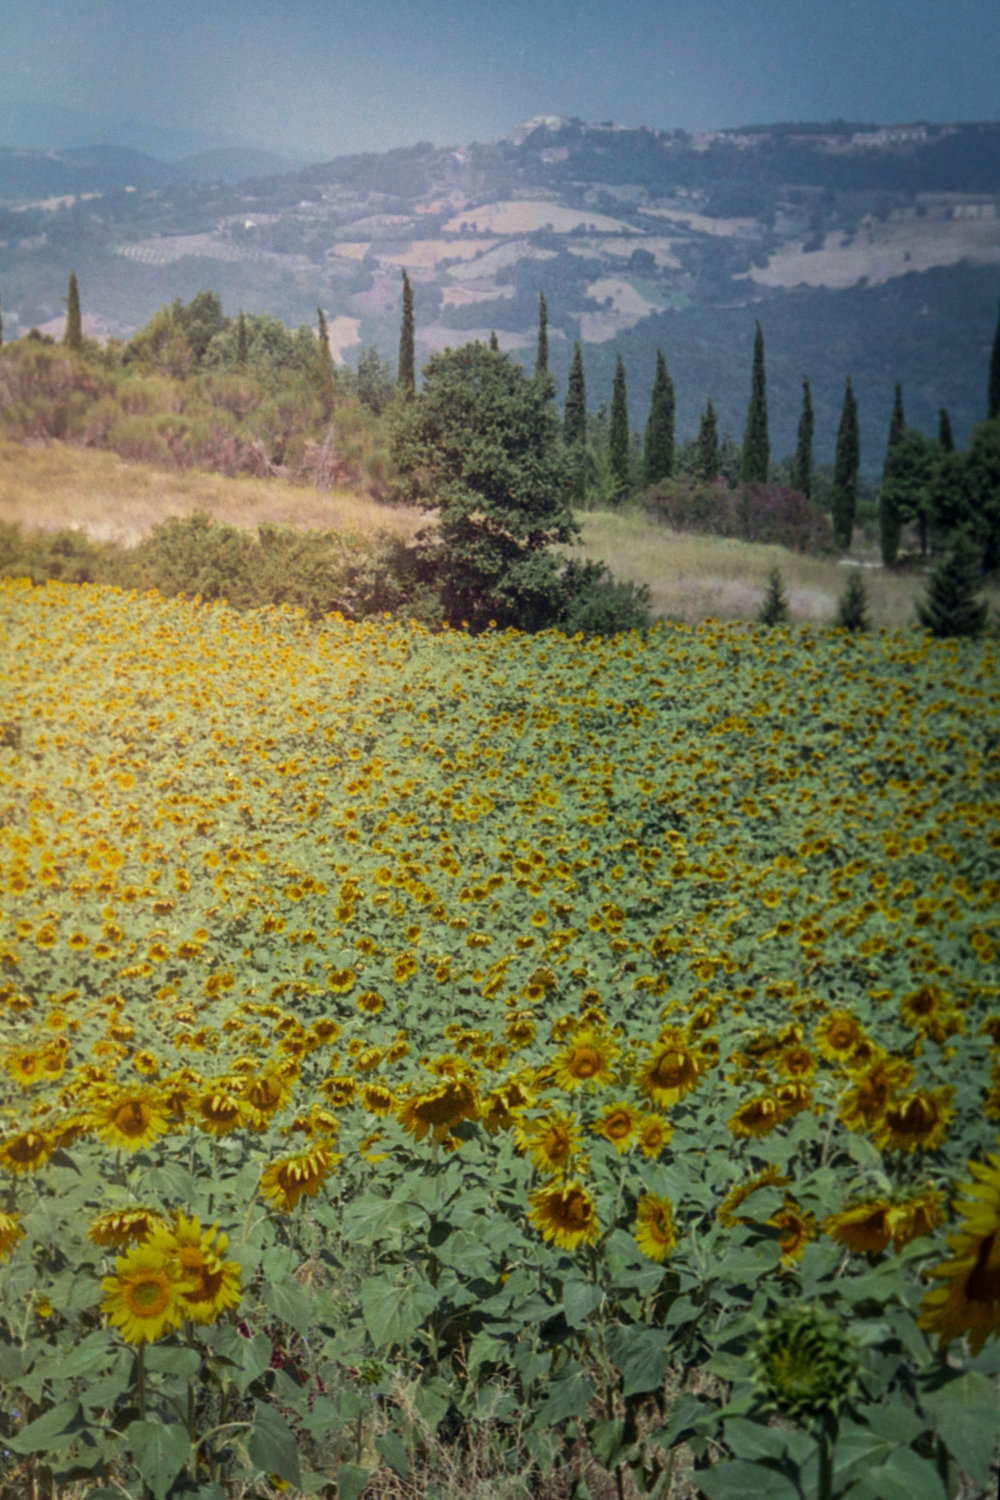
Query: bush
(852,607)
(597,604)
(774,610)
(772,514)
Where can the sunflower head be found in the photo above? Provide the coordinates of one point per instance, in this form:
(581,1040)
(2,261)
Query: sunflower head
(143,1298)
(565,1215)
(804,1362)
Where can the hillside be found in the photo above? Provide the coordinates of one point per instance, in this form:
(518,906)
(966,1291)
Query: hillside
(863,250)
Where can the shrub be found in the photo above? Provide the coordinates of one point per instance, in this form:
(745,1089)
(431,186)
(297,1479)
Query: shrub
(852,607)
(597,604)
(774,610)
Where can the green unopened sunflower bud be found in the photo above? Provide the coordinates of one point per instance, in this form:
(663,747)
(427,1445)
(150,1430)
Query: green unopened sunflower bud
(804,1361)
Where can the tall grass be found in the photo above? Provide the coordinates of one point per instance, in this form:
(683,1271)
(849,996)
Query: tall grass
(692,576)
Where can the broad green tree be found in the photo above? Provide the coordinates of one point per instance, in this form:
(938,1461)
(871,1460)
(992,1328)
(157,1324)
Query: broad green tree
(618,433)
(199,321)
(846,467)
(658,450)
(73,337)
(484,447)
(708,444)
(756,442)
(802,469)
(904,497)
(406,374)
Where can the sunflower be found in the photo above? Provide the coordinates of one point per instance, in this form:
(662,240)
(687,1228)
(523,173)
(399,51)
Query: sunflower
(918,1121)
(284,1182)
(969,1302)
(565,1215)
(618,1124)
(654,1135)
(670,1072)
(837,1036)
(143,1298)
(25,1068)
(589,1058)
(797,1227)
(497,1109)
(126,1226)
(26,1152)
(265,1094)
(439,1109)
(129,1121)
(756,1117)
(928,1011)
(655,1232)
(210,1285)
(917,1215)
(10,1233)
(550,1142)
(219,1110)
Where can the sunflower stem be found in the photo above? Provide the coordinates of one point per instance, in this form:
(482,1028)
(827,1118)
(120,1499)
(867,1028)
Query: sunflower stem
(825,1438)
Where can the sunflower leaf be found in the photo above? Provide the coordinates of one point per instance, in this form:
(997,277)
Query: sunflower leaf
(159,1451)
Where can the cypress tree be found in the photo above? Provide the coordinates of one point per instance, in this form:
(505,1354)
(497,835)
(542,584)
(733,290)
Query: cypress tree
(1,325)
(993,395)
(242,341)
(575,410)
(73,337)
(945,435)
(708,444)
(846,465)
(890,519)
(756,443)
(406,377)
(802,470)
(774,609)
(494,341)
(327,375)
(658,453)
(618,433)
(542,355)
(950,607)
(852,606)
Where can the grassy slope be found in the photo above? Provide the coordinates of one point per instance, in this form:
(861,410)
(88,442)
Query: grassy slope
(690,577)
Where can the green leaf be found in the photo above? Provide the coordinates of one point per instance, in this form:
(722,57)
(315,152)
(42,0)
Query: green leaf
(289,1303)
(273,1445)
(164,1360)
(390,1447)
(159,1452)
(737,1480)
(753,1440)
(965,1415)
(580,1299)
(393,1313)
(351,1480)
(55,1428)
(566,1396)
(642,1355)
(605,1436)
(903,1476)
(432,1399)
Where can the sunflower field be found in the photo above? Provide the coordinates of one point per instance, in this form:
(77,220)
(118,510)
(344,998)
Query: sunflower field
(437,1064)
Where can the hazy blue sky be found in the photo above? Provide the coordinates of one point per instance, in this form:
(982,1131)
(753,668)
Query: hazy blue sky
(320,77)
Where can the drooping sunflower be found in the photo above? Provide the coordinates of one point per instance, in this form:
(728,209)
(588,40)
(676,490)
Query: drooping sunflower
(551,1142)
(864,1102)
(565,1215)
(126,1226)
(439,1109)
(969,1301)
(670,1071)
(728,1213)
(219,1109)
(655,1231)
(619,1124)
(797,1227)
(266,1093)
(378,1099)
(863,1227)
(756,1117)
(129,1121)
(929,1011)
(143,1298)
(918,1122)
(10,1233)
(284,1182)
(588,1059)
(916,1215)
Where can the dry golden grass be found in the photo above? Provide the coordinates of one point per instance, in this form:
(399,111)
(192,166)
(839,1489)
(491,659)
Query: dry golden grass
(48,487)
(691,576)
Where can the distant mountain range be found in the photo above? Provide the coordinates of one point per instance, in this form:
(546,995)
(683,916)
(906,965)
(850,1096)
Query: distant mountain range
(865,250)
